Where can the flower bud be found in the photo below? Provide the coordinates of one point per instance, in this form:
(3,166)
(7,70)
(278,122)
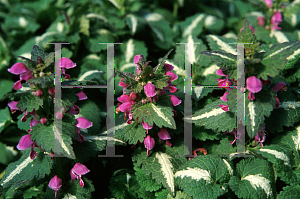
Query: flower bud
(43,120)
(51,90)
(39,60)
(134,96)
(39,93)
(143,101)
(41,74)
(59,115)
(155,98)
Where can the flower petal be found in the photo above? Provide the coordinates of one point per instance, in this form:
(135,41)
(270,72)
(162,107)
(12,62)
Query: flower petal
(278,86)
(124,98)
(149,90)
(168,67)
(79,169)
(83,123)
(74,110)
(18,68)
(17,85)
(25,142)
(163,134)
(13,106)
(67,63)
(224,97)
(81,95)
(175,100)
(55,183)
(173,76)
(254,85)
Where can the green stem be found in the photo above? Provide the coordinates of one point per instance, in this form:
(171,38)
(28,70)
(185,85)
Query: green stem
(175,10)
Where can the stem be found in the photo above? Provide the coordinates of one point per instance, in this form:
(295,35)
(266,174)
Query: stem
(175,10)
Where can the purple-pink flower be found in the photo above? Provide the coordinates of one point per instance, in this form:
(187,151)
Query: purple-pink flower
(55,184)
(74,110)
(136,59)
(275,20)
(25,143)
(175,100)
(254,85)
(83,123)
(149,143)
(224,97)
(168,67)
(146,126)
(20,69)
(223,83)
(172,75)
(268,3)
(224,107)
(66,63)
(123,84)
(261,21)
(149,90)
(77,171)
(81,95)
(164,135)
(280,86)
(127,102)
(13,106)
(260,136)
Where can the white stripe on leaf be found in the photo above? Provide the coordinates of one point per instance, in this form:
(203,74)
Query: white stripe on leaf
(166,168)
(277,154)
(194,173)
(189,29)
(223,45)
(257,181)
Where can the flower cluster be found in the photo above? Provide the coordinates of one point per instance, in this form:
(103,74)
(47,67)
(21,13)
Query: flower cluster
(150,94)
(76,172)
(45,93)
(276,18)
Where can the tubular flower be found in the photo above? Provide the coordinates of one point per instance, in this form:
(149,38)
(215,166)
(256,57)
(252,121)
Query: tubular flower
(280,86)
(136,59)
(234,132)
(77,171)
(175,100)
(168,67)
(260,136)
(172,75)
(275,20)
(74,110)
(55,184)
(25,143)
(224,107)
(13,106)
(223,83)
(149,90)
(122,84)
(146,126)
(82,123)
(81,95)
(268,3)
(127,103)
(149,143)
(254,85)
(66,63)
(224,97)
(20,69)
(261,21)
(164,135)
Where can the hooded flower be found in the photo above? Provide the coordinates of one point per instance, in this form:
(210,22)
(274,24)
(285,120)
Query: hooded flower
(223,83)
(175,100)
(268,3)
(172,75)
(254,85)
(66,63)
(149,90)
(149,143)
(81,95)
(261,21)
(77,171)
(168,67)
(127,103)
(260,136)
(275,20)
(164,135)
(136,59)
(224,107)
(280,86)
(146,126)
(25,143)
(74,110)
(82,123)
(55,184)
(234,132)
(13,106)
(20,69)
(122,84)
(224,97)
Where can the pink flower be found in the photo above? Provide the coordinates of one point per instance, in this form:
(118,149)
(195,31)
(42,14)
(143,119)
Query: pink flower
(81,95)
(77,171)
(20,69)
(254,85)
(223,83)
(268,3)
(51,90)
(127,103)
(172,75)
(74,110)
(55,184)
(149,90)
(149,143)
(66,63)
(224,97)
(43,120)
(134,96)
(224,107)
(83,123)
(136,59)
(39,93)
(33,122)
(234,132)
(261,21)
(275,20)
(164,135)
(279,87)
(250,28)
(13,106)
(260,136)
(175,100)
(123,84)
(25,143)
(277,102)
(168,67)
(146,126)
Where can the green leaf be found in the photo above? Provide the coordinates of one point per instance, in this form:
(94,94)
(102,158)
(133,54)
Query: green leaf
(217,43)
(213,117)
(37,52)
(33,191)
(81,192)
(278,57)
(200,133)
(155,113)
(162,163)
(160,65)
(30,102)
(4,118)
(7,154)
(146,180)
(132,133)
(290,192)
(23,125)
(255,111)
(180,195)
(84,25)
(246,35)
(26,169)
(43,81)
(51,139)
(124,186)
(193,25)
(49,59)
(254,179)
(204,177)
(5,86)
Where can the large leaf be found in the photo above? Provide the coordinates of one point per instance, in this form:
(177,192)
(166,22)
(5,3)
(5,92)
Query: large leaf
(204,177)
(30,102)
